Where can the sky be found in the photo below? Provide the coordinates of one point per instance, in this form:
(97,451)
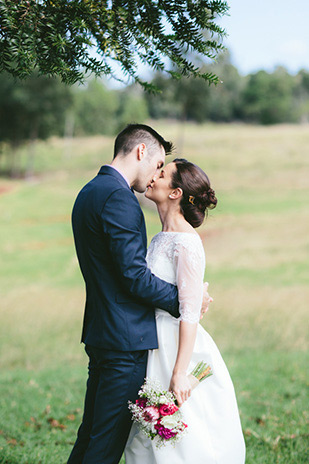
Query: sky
(263,34)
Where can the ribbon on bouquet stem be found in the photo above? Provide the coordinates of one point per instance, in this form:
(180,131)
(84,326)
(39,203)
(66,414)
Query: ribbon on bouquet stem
(201,371)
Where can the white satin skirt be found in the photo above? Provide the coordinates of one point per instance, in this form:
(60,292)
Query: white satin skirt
(214,434)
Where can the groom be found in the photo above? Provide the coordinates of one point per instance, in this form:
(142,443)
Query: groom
(121,292)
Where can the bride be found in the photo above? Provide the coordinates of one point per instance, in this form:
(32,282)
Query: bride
(183,194)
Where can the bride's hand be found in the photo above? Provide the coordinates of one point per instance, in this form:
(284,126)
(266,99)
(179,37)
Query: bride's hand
(181,387)
(207,299)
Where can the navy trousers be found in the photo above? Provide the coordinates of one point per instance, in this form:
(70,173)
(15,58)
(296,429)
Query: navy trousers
(114,378)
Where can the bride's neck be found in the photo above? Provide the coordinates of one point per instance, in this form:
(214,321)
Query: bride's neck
(171,218)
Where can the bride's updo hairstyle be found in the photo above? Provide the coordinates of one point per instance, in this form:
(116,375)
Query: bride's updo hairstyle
(198,196)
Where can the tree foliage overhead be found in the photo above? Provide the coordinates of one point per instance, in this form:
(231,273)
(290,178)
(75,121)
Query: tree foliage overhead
(57,37)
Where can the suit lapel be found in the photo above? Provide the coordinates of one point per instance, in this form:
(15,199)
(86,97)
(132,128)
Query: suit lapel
(143,231)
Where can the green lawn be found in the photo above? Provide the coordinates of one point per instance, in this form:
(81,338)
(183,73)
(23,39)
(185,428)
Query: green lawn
(256,244)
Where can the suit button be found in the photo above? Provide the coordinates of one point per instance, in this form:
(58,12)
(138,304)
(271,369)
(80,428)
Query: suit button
(142,338)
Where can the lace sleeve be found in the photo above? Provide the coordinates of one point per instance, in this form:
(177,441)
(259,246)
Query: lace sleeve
(190,266)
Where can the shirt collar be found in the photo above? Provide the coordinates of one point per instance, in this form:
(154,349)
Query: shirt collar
(125,178)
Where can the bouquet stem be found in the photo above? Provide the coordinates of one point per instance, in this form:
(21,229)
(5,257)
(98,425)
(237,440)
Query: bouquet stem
(199,373)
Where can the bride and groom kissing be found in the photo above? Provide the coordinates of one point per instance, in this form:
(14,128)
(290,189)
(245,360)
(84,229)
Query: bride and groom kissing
(143,307)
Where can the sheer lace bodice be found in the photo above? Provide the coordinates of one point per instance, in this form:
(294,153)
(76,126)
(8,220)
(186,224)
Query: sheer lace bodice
(179,258)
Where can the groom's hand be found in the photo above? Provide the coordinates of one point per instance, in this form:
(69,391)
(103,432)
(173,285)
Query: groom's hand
(181,387)
(207,299)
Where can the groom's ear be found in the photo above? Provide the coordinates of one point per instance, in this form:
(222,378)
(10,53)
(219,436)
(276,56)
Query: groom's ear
(176,193)
(141,151)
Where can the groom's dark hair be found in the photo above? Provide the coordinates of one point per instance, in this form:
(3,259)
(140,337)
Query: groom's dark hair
(134,134)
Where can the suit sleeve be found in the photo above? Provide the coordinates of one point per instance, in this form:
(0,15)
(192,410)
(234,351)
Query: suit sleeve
(121,220)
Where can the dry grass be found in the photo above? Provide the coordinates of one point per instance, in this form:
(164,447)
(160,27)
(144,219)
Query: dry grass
(256,242)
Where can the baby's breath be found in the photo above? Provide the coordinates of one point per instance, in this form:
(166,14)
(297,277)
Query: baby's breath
(155,396)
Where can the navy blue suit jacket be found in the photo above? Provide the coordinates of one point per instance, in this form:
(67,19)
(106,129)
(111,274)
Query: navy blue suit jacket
(111,245)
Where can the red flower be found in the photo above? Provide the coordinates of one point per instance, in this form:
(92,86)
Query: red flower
(168,409)
(164,432)
(141,402)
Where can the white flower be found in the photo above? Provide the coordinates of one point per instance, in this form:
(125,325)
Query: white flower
(170,421)
(163,400)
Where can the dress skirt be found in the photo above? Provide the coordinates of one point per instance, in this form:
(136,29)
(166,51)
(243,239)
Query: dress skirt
(214,434)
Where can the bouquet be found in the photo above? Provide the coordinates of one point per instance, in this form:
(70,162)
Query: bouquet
(156,411)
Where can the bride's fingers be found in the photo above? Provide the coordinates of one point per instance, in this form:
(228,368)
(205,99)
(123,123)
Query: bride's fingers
(179,400)
(185,395)
(177,396)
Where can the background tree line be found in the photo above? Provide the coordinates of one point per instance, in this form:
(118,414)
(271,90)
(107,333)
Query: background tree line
(39,107)
(259,98)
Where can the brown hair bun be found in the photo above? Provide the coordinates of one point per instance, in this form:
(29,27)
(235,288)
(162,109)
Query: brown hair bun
(206,199)
(198,196)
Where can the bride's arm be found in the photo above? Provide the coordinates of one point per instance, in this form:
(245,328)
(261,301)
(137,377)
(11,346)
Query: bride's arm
(180,384)
(190,273)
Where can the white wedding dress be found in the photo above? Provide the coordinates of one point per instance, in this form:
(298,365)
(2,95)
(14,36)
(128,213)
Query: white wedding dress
(214,434)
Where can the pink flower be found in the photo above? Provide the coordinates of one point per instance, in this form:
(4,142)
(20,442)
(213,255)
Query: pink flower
(168,409)
(151,414)
(141,402)
(164,432)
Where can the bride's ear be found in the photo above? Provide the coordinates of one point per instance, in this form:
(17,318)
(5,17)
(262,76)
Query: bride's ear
(176,193)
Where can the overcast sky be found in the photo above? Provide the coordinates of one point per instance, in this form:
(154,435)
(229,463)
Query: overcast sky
(266,33)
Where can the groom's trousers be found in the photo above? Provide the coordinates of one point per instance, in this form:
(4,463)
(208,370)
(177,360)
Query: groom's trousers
(114,378)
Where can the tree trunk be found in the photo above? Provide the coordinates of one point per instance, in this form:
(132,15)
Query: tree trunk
(14,160)
(69,126)
(32,151)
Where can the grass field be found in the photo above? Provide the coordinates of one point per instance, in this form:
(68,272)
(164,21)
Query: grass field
(257,248)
